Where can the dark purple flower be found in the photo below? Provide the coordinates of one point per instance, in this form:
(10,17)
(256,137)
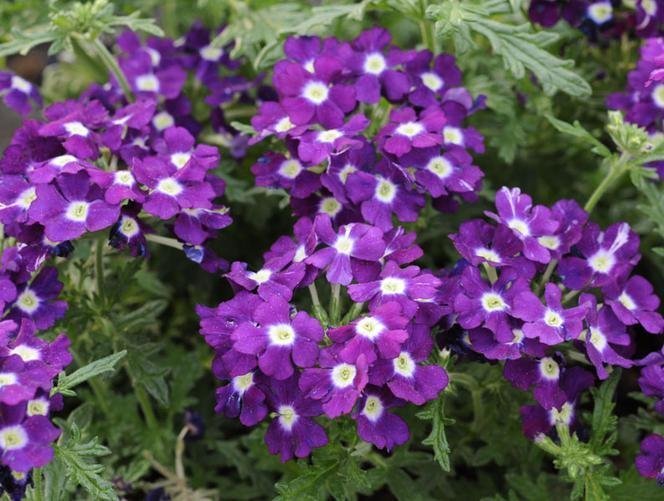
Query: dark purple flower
(275,170)
(242,398)
(276,277)
(375,424)
(479,242)
(317,146)
(431,83)
(179,149)
(543,374)
(650,463)
(406,130)
(19,94)
(37,300)
(634,302)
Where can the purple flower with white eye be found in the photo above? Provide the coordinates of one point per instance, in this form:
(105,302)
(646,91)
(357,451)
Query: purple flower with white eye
(342,166)
(47,171)
(379,333)
(571,219)
(194,226)
(479,303)
(538,420)
(129,231)
(375,62)
(272,119)
(382,194)
(275,170)
(407,130)
(406,376)
(515,210)
(649,18)
(454,135)
(337,381)
(604,331)
(430,83)
(484,341)
(179,149)
(479,242)
(25,441)
(318,145)
(550,323)
(353,247)
(145,81)
(634,302)
(401,247)
(27,147)
(72,206)
(408,286)
(170,189)
(324,203)
(75,123)
(375,424)
(443,173)
(276,277)
(37,300)
(16,197)
(279,341)
(19,94)
(19,380)
(297,250)
(242,398)
(205,58)
(293,432)
(313,97)
(607,256)
(650,462)
(54,356)
(127,122)
(119,185)
(541,374)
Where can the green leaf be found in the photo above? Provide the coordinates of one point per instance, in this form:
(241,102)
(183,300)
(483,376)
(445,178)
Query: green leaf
(576,129)
(101,366)
(324,15)
(604,422)
(520,47)
(437,439)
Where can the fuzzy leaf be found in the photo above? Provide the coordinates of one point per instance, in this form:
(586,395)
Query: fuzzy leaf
(101,366)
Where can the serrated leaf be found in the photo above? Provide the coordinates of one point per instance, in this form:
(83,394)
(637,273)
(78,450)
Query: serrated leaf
(437,439)
(576,129)
(101,366)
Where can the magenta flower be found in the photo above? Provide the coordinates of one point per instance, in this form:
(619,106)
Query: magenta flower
(550,323)
(278,340)
(293,432)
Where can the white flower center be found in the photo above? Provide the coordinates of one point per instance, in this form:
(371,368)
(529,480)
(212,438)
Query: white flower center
(37,407)
(374,64)
(329,136)
(369,327)
(13,438)
(21,84)
(300,254)
(488,254)
(155,57)
(330,206)
(284,125)
(563,415)
(180,159)
(549,369)
(453,135)
(493,302)
(602,261)
(261,276)
(281,334)
(169,186)
(432,81)
(627,301)
(287,416)
(404,365)
(290,169)
(129,227)
(346,171)
(440,166)
(210,53)
(551,242)
(343,375)
(392,285)
(315,92)
(600,12)
(147,83)
(28,301)
(597,339)
(163,120)
(519,226)
(344,244)
(658,95)
(124,178)
(410,129)
(243,383)
(553,319)
(518,336)
(386,191)
(309,66)
(7,378)
(77,211)
(62,160)
(76,129)
(25,199)
(649,7)
(27,353)
(373,408)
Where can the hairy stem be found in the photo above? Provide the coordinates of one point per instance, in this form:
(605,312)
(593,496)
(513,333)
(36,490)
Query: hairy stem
(335,303)
(319,311)
(616,171)
(99,266)
(167,241)
(112,65)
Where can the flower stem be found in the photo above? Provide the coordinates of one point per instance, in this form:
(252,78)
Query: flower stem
(547,275)
(490,273)
(99,267)
(112,66)
(167,241)
(335,303)
(353,313)
(426,29)
(319,311)
(616,171)
(146,407)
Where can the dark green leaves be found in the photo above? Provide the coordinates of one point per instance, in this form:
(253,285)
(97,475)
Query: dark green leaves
(104,365)
(435,412)
(520,47)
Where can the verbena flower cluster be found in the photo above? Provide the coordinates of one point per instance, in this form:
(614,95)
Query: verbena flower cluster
(356,168)
(28,364)
(102,162)
(602,19)
(537,282)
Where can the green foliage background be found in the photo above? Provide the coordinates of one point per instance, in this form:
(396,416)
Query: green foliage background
(122,425)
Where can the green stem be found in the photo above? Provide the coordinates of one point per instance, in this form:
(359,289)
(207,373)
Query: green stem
(167,241)
(547,275)
(490,273)
(353,313)
(426,29)
(99,267)
(112,66)
(319,311)
(146,406)
(616,171)
(335,303)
